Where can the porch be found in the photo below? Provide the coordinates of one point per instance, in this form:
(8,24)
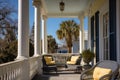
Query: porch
(25,67)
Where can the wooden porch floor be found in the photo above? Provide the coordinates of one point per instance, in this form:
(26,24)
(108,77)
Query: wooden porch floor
(60,75)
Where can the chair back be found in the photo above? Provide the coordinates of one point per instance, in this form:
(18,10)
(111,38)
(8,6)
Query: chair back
(44,61)
(78,60)
(106,69)
(108,64)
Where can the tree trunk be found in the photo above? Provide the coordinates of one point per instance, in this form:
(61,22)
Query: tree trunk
(69,50)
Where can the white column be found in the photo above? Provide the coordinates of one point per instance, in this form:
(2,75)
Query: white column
(89,33)
(23,29)
(37,42)
(81,37)
(82,27)
(44,35)
(80,40)
(23,38)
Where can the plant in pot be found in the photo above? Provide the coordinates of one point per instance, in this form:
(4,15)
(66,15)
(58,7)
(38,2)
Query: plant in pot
(87,56)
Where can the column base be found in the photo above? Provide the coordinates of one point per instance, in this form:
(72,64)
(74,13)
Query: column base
(35,55)
(44,53)
(21,58)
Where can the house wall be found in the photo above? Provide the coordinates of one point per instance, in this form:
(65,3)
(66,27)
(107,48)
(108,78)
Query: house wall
(96,5)
(103,6)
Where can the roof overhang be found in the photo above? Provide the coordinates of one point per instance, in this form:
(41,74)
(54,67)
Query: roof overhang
(73,8)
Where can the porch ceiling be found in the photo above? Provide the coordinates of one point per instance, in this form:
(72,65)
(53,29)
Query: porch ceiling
(73,8)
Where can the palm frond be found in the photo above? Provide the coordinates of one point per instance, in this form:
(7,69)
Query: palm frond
(59,34)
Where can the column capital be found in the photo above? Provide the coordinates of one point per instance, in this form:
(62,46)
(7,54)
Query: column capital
(45,17)
(36,3)
(81,17)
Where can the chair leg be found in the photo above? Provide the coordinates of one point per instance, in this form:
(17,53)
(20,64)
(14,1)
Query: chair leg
(56,70)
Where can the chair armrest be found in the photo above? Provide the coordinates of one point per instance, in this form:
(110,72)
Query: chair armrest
(106,76)
(86,73)
(68,58)
(112,76)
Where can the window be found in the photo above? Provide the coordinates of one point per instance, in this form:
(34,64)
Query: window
(106,35)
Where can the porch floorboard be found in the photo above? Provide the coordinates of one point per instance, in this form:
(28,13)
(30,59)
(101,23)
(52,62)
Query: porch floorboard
(63,75)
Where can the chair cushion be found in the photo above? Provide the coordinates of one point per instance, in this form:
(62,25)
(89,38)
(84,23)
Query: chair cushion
(49,60)
(74,58)
(52,62)
(71,62)
(99,72)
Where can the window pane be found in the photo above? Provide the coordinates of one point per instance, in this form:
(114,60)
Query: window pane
(105,36)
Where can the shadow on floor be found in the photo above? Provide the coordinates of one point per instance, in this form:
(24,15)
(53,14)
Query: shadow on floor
(45,76)
(61,75)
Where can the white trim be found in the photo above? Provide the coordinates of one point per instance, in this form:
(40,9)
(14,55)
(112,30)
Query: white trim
(103,10)
(67,15)
(118,29)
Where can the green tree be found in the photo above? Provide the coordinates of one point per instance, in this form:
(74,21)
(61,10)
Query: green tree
(52,45)
(8,52)
(31,44)
(8,24)
(32,35)
(8,32)
(68,31)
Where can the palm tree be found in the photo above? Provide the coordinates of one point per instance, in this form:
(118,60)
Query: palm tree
(52,45)
(69,30)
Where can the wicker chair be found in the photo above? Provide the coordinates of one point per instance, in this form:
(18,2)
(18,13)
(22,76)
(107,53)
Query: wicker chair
(74,63)
(48,63)
(104,66)
(74,59)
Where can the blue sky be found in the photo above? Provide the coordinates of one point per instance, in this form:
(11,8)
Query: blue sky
(52,23)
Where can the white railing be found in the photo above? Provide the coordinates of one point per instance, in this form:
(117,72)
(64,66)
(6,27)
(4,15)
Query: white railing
(25,69)
(11,70)
(35,65)
(20,69)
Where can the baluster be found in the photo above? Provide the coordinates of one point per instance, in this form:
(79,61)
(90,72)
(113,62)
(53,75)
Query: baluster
(8,73)
(16,73)
(1,77)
